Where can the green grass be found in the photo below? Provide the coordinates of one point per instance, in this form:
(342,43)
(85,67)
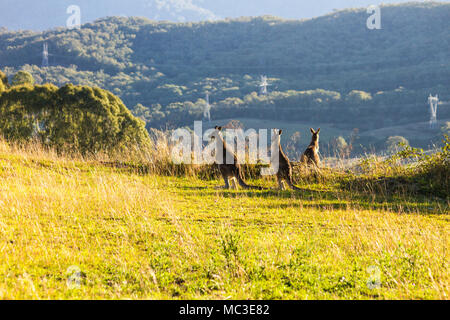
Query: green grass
(152,237)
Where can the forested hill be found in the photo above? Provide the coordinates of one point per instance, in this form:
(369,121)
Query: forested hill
(165,65)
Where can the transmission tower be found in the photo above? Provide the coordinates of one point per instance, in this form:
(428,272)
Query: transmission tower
(45,56)
(433,101)
(206,111)
(263,86)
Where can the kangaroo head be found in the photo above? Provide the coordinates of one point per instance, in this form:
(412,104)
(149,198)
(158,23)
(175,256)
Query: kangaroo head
(276,135)
(315,134)
(217,133)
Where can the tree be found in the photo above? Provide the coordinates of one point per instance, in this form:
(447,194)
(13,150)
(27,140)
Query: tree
(3,79)
(294,146)
(79,118)
(149,62)
(341,146)
(445,129)
(395,143)
(141,112)
(22,77)
(357,97)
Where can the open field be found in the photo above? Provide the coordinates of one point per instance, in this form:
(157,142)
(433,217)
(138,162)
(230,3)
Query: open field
(289,128)
(411,131)
(77,229)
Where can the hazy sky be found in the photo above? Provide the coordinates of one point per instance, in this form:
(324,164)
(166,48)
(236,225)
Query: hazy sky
(45,14)
(295,9)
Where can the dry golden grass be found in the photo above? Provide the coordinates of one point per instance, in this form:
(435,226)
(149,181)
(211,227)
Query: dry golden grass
(74,228)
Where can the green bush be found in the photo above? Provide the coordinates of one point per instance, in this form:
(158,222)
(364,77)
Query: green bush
(432,172)
(396,143)
(3,79)
(445,129)
(77,118)
(410,170)
(22,77)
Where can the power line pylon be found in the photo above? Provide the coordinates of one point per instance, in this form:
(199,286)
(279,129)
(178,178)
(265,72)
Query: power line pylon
(263,86)
(45,56)
(206,111)
(433,102)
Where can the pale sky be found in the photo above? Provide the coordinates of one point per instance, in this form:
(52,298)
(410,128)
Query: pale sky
(46,14)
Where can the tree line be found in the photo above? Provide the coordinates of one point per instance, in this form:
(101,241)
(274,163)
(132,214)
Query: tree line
(167,66)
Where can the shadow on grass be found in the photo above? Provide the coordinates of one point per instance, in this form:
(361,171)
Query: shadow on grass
(331,200)
(193,188)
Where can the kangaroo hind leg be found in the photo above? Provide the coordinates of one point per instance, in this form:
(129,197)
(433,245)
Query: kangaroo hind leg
(281,184)
(225,179)
(291,184)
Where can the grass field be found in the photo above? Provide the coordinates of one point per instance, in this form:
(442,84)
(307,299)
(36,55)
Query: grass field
(77,229)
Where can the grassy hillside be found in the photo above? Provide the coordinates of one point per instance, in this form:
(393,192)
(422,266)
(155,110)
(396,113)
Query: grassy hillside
(73,228)
(168,67)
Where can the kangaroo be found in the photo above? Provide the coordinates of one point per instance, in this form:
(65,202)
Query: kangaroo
(232,170)
(311,154)
(284,168)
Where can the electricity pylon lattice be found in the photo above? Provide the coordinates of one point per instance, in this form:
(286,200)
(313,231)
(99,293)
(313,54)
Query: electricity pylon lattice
(206,111)
(433,102)
(263,86)
(45,56)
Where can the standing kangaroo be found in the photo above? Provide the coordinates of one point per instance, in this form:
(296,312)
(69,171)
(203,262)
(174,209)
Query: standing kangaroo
(311,154)
(284,168)
(232,170)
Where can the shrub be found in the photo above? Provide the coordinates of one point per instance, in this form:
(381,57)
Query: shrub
(76,118)
(445,129)
(3,79)
(410,170)
(396,143)
(21,78)
(432,172)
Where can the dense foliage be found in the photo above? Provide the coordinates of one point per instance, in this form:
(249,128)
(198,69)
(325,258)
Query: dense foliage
(77,118)
(369,78)
(22,77)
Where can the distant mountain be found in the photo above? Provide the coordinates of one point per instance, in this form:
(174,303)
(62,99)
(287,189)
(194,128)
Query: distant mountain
(168,67)
(42,15)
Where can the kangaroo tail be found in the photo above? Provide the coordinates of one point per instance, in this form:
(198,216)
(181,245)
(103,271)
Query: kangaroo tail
(291,184)
(246,186)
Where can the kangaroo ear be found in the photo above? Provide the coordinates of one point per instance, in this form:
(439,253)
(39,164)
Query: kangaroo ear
(312,130)
(318,130)
(280,132)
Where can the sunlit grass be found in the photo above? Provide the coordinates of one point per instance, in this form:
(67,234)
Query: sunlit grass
(152,237)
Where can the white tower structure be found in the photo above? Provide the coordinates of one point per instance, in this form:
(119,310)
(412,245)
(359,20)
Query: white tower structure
(433,102)
(45,56)
(206,111)
(263,86)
